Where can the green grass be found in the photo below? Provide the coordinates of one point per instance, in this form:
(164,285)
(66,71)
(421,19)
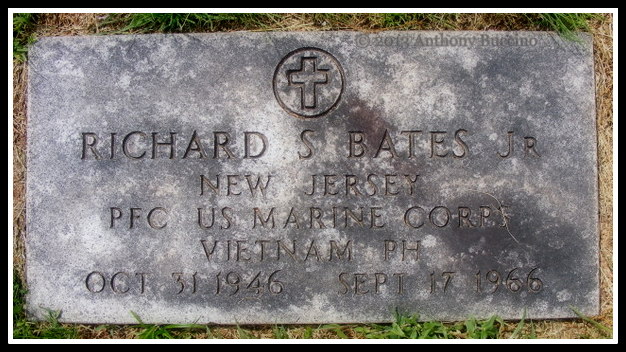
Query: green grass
(280,332)
(404,327)
(24,329)
(419,20)
(23,28)
(21,327)
(171,331)
(608,333)
(409,327)
(518,329)
(337,329)
(566,24)
(189,22)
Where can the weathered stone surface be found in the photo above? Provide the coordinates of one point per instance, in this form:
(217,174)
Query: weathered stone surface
(455,176)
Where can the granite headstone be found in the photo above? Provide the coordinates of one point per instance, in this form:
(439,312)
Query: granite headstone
(311,177)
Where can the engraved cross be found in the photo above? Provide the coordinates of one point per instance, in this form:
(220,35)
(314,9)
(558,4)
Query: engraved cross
(307,78)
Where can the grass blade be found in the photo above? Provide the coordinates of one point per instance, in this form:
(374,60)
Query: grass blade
(533,333)
(137,317)
(244,334)
(519,326)
(593,322)
(337,329)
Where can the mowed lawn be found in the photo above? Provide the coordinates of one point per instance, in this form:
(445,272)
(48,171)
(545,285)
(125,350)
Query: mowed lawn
(28,27)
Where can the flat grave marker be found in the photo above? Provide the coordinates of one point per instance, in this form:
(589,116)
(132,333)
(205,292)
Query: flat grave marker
(262,178)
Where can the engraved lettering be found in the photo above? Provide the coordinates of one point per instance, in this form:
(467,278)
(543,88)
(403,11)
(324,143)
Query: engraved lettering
(195,145)
(255,284)
(347,251)
(412,135)
(262,244)
(135,213)
(277,250)
(359,279)
(411,183)
(345,284)
(379,279)
(205,181)
(90,140)
(247,139)
(116,213)
(387,145)
(312,186)
(112,145)
(400,277)
(436,139)
(437,213)
(201,222)
(329,183)
(264,222)
(227,217)
(231,180)
(389,246)
(513,282)
(485,211)
(89,281)
(510,149)
(464,220)
(125,145)
(152,222)
(233,279)
(257,186)
(534,283)
(120,282)
(180,281)
(529,147)
(412,249)
(292,219)
(350,214)
(156,218)
(447,275)
(137,145)
(351,182)
(460,143)
(273,285)
(372,185)
(307,144)
(389,182)
(316,213)
(292,252)
(241,250)
(221,140)
(208,252)
(171,144)
(114,285)
(408,220)
(312,249)
(493,276)
(142,279)
(357,139)
(373,217)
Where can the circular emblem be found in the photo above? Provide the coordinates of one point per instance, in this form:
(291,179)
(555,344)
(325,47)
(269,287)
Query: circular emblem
(308,82)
